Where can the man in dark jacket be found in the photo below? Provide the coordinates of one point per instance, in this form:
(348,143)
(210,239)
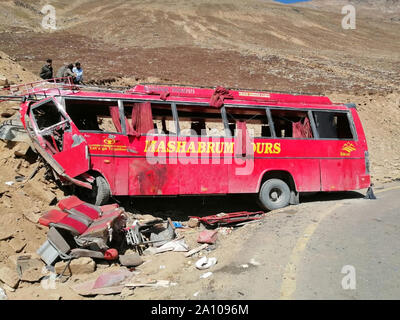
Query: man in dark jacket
(66,71)
(47,70)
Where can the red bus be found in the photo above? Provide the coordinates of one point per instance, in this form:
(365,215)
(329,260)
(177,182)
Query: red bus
(157,140)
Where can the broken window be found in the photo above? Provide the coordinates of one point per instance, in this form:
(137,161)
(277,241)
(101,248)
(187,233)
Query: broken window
(51,124)
(256,121)
(291,124)
(150,118)
(47,115)
(200,121)
(333,125)
(94,115)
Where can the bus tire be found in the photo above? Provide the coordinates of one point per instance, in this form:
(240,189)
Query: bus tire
(101,191)
(274,194)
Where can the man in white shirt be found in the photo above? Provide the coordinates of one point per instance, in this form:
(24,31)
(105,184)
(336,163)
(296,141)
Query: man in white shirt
(78,73)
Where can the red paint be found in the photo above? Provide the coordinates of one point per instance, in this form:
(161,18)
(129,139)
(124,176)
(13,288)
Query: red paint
(315,165)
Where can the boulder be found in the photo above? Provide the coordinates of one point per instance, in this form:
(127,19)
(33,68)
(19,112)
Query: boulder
(35,189)
(5,235)
(21,149)
(131,260)
(9,277)
(193,223)
(3,81)
(77,266)
(17,244)
(32,270)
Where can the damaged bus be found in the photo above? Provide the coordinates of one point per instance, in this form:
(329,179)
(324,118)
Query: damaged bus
(158,140)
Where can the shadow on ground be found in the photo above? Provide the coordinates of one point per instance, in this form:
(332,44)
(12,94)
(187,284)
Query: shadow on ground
(179,208)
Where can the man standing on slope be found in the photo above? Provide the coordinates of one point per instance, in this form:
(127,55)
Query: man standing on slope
(47,70)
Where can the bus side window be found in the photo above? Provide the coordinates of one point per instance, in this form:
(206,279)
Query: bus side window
(256,121)
(92,115)
(158,116)
(292,124)
(200,121)
(333,125)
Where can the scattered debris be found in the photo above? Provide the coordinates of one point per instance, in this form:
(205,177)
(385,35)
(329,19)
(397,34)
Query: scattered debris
(206,275)
(131,260)
(225,231)
(208,236)
(196,250)
(152,283)
(230,218)
(245,266)
(255,263)
(178,225)
(370,194)
(29,269)
(77,266)
(164,236)
(206,263)
(112,282)
(177,245)
(9,277)
(3,295)
(193,223)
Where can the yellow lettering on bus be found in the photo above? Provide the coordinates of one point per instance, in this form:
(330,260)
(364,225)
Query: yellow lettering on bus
(150,146)
(192,148)
(181,146)
(219,147)
(277,148)
(210,148)
(161,147)
(171,146)
(259,148)
(229,147)
(268,148)
(202,147)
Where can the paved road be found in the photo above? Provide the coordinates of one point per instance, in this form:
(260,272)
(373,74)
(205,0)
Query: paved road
(300,252)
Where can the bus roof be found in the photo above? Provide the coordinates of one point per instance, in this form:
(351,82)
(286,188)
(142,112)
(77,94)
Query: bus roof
(240,95)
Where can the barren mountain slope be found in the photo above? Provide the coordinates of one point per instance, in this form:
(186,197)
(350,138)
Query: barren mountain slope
(251,43)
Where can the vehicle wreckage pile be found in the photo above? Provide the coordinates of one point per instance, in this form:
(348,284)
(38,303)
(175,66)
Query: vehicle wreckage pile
(82,237)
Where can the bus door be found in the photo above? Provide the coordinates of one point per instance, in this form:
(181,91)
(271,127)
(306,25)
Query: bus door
(342,160)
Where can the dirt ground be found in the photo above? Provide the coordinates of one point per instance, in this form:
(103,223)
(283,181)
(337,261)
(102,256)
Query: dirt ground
(246,44)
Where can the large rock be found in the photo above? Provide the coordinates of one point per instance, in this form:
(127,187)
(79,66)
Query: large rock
(193,223)
(9,277)
(6,234)
(35,189)
(17,244)
(131,260)
(3,81)
(77,266)
(33,271)
(21,149)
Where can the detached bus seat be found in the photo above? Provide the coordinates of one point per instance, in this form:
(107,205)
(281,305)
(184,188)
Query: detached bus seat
(54,247)
(74,205)
(52,216)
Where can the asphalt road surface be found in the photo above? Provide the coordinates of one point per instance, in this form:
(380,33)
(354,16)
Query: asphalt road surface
(343,247)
